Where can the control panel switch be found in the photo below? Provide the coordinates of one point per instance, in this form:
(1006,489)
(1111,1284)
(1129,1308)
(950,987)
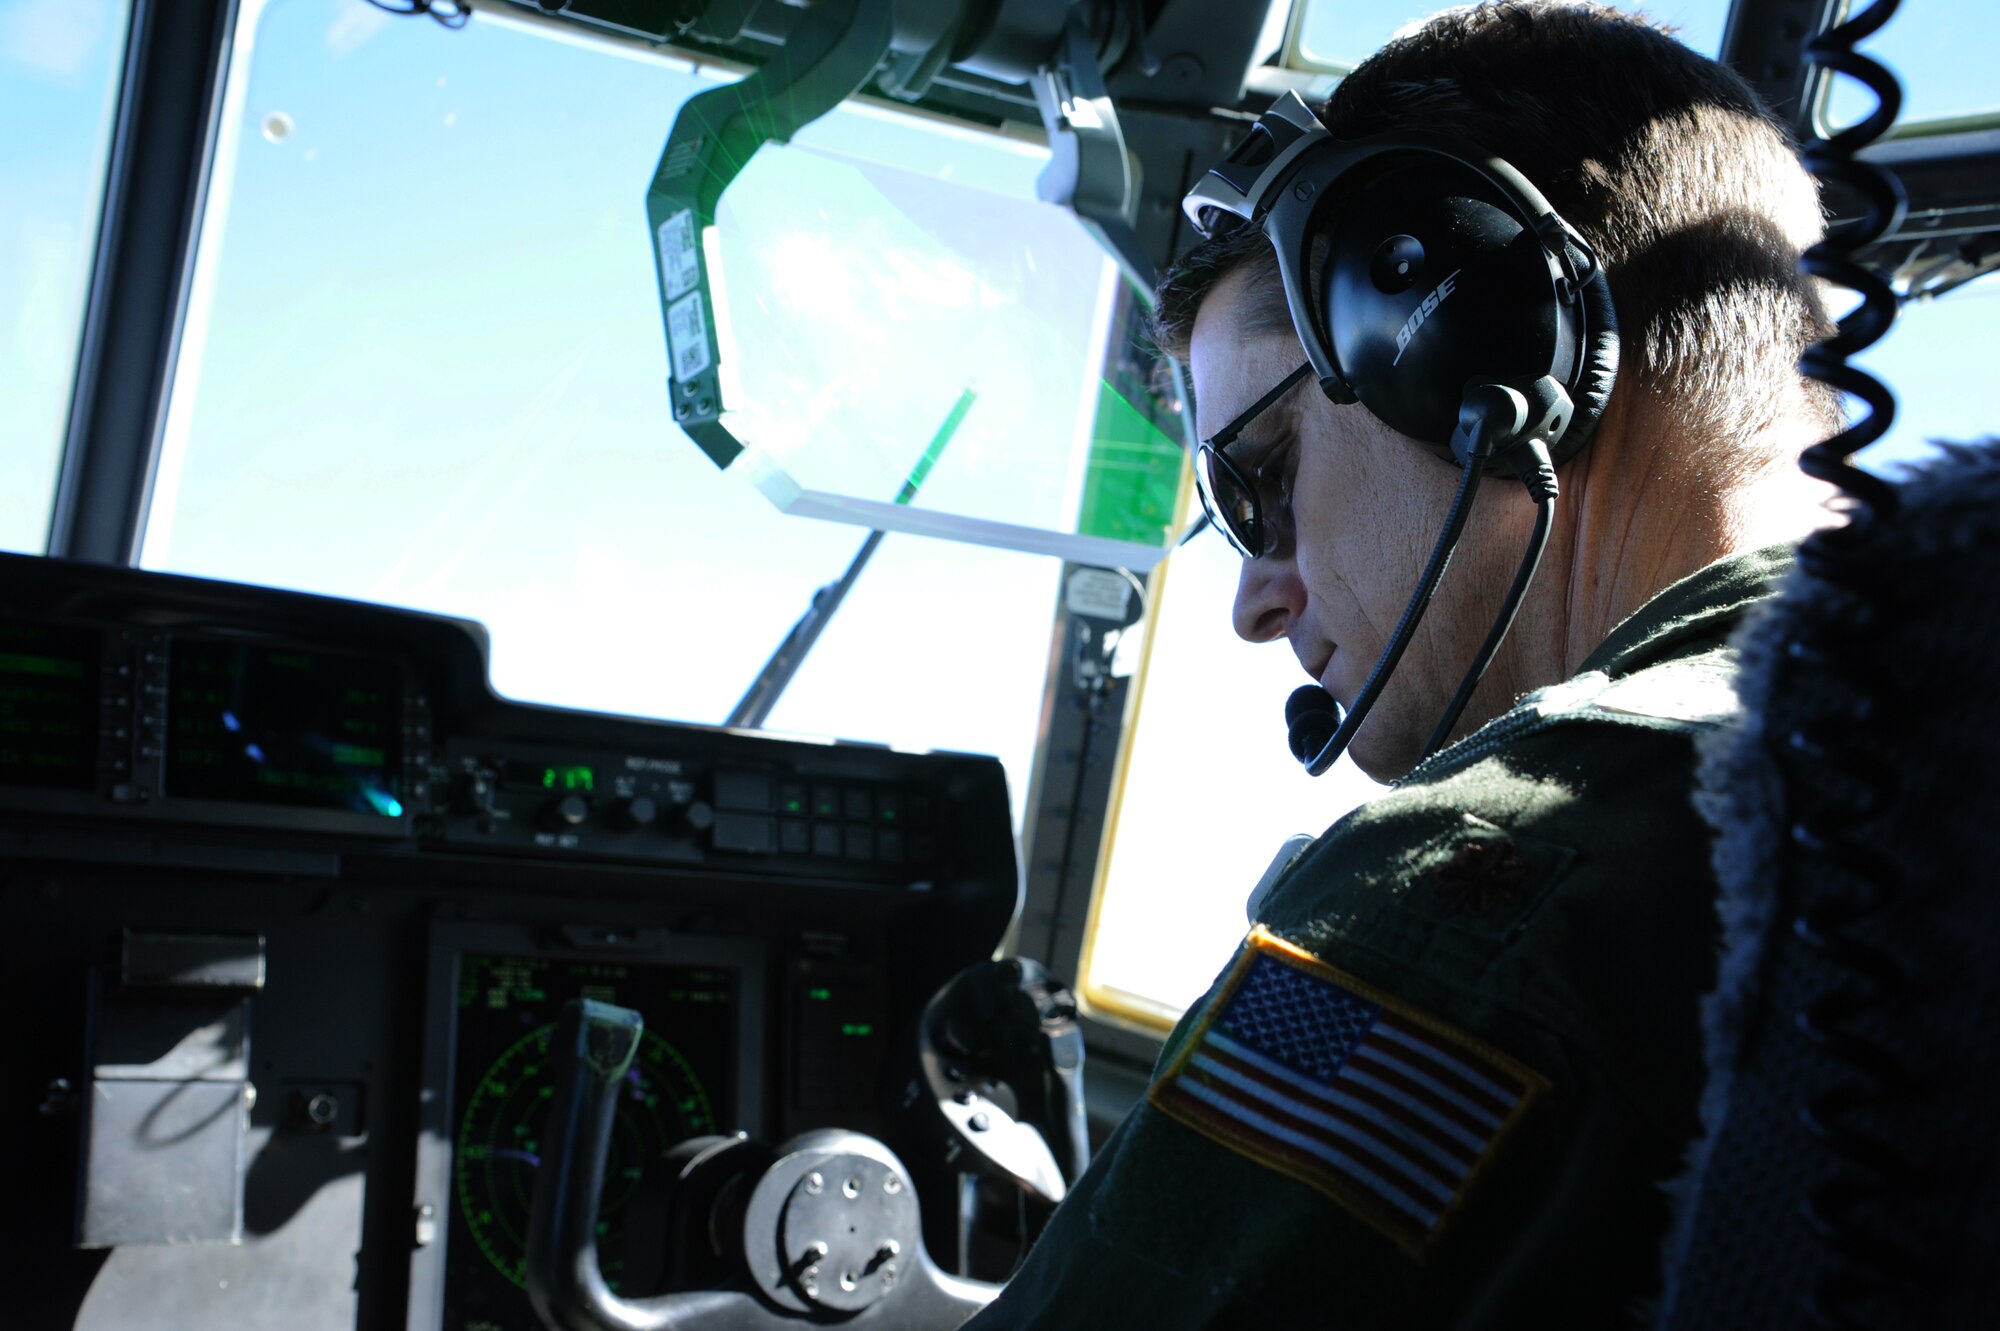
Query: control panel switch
(564,812)
(635,813)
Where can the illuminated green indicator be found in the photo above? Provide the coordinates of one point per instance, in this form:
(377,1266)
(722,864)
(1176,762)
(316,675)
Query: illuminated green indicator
(13,664)
(819,995)
(355,755)
(581,780)
(791,806)
(857,1028)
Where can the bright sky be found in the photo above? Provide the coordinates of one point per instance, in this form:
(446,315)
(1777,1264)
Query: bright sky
(56,70)
(429,370)
(425,365)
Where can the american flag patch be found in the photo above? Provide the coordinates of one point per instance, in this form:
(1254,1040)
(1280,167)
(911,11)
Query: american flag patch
(1310,1072)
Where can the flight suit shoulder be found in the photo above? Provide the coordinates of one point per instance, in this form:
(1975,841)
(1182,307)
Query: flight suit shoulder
(1549,870)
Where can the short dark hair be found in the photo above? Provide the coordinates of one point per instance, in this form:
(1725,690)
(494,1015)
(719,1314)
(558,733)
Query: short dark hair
(1687,186)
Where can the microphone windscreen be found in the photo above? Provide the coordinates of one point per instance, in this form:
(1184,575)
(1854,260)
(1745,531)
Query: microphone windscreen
(1309,698)
(1312,715)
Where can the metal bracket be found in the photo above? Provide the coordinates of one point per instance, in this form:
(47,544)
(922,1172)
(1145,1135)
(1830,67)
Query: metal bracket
(1090,172)
(168,1105)
(836,46)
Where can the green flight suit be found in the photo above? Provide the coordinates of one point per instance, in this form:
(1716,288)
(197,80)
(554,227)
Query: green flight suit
(1542,886)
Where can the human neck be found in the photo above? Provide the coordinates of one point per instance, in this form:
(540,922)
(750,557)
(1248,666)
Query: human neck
(1638,522)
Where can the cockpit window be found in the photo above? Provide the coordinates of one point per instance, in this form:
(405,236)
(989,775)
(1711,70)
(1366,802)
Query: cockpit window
(1942,58)
(1337,35)
(424,365)
(1942,52)
(59,77)
(1209,794)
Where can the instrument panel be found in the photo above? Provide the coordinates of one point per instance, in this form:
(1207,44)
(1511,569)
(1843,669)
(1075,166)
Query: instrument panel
(194,727)
(290,901)
(497,991)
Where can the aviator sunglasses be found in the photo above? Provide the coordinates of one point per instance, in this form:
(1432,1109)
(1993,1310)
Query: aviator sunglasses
(1228,496)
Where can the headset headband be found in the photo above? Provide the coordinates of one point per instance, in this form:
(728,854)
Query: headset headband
(1278,180)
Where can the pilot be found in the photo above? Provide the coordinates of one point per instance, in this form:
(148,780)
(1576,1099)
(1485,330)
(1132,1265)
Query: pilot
(1447,1076)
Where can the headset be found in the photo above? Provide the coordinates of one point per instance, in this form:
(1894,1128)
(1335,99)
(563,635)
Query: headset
(1434,285)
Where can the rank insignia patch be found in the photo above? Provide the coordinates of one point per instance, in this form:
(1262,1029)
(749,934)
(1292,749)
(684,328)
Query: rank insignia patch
(1328,1080)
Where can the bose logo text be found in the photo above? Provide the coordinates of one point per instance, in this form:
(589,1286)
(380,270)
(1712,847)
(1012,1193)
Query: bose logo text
(1423,312)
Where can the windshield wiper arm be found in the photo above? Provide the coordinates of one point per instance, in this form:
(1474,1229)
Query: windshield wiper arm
(771,682)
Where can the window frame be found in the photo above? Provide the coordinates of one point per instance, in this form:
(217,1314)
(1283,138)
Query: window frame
(163,141)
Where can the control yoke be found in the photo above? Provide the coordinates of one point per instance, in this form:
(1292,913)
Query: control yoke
(831,1228)
(1010,1022)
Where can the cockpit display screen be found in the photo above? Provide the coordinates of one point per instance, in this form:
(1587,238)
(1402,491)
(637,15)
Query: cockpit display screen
(680,1085)
(287,726)
(49,683)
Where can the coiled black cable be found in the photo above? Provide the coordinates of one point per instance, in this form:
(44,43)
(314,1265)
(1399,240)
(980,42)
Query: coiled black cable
(1835,786)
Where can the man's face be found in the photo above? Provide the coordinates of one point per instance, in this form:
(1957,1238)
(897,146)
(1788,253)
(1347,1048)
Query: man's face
(1365,506)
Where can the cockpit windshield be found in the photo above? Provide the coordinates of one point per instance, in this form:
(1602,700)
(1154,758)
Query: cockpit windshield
(59,73)
(423,365)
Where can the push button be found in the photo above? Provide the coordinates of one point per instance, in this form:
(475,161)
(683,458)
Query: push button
(749,791)
(749,833)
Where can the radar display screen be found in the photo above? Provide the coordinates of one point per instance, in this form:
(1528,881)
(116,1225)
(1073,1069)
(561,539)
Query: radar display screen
(680,1085)
(49,688)
(286,726)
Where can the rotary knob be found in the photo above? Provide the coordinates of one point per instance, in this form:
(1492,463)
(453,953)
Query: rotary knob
(471,793)
(692,818)
(635,813)
(565,812)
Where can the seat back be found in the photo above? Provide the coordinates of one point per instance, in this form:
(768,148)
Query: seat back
(1849,1171)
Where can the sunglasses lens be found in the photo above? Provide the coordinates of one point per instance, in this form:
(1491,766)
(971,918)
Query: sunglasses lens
(1231,504)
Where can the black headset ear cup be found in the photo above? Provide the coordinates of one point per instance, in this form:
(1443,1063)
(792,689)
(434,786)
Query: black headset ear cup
(1600,368)
(1430,280)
